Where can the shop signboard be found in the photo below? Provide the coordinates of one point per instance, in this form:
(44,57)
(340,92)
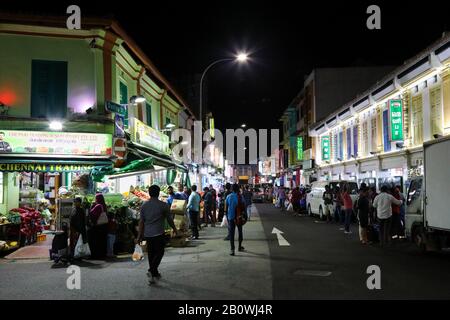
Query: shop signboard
(396,119)
(56,143)
(325,148)
(149,137)
(38,166)
(299,148)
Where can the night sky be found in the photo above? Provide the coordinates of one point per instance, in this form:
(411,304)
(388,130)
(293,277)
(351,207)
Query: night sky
(286,39)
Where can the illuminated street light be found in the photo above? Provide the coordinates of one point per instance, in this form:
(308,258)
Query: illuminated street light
(56,125)
(243,125)
(137,99)
(240,57)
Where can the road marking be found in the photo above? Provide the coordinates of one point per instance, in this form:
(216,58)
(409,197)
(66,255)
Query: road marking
(281,240)
(314,273)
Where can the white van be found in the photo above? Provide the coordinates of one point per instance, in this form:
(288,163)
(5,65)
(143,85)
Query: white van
(314,199)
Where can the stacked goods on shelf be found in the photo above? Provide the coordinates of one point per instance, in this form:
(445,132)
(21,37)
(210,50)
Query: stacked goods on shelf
(30,223)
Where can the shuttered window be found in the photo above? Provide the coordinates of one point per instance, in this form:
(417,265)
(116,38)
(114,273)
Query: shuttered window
(341,146)
(349,143)
(417,119)
(123,91)
(373,129)
(365,139)
(355,141)
(48,89)
(436,111)
(148,111)
(386,140)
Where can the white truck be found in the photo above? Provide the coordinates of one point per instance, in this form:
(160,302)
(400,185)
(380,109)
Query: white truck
(427,219)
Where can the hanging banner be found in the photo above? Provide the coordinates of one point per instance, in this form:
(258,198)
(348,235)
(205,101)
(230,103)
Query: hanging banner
(325,148)
(55,143)
(396,119)
(119,130)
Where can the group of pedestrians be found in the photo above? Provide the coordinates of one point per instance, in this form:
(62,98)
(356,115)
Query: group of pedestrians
(380,216)
(294,200)
(98,230)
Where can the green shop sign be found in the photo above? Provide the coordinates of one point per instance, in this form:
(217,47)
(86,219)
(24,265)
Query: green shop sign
(299,148)
(396,119)
(43,167)
(325,148)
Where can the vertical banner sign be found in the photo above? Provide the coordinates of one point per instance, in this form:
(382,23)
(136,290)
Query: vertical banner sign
(396,119)
(325,148)
(119,130)
(211,127)
(299,148)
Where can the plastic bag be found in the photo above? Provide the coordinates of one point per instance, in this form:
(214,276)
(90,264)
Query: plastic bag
(81,249)
(138,254)
(290,207)
(224,222)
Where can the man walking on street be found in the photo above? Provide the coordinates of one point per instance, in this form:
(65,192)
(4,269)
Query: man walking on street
(193,208)
(235,202)
(383,203)
(248,195)
(225,195)
(295,200)
(151,227)
(282,197)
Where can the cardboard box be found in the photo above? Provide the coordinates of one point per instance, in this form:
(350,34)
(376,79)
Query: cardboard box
(178,207)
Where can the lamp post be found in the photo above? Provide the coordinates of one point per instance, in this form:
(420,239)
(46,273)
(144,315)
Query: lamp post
(242,57)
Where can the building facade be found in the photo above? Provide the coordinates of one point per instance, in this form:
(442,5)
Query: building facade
(377,138)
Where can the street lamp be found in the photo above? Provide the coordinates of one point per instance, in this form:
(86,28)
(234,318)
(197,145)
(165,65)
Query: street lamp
(55,125)
(240,57)
(137,99)
(243,125)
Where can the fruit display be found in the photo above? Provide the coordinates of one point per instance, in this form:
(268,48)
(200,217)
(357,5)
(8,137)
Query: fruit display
(30,221)
(8,245)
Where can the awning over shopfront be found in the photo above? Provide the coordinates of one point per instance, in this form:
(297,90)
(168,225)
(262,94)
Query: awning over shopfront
(337,170)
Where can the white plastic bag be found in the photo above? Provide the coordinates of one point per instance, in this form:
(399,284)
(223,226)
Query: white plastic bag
(81,249)
(138,254)
(290,207)
(224,223)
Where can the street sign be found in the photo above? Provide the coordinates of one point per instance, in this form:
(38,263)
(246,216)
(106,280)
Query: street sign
(299,148)
(115,107)
(396,117)
(120,151)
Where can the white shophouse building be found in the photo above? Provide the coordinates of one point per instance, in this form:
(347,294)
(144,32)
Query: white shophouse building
(377,138)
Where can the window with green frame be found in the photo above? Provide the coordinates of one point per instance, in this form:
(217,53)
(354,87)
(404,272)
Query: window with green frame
(148,108)
(123,91)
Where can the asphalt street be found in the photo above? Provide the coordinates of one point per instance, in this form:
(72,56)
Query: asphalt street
(320,262)
(324,263)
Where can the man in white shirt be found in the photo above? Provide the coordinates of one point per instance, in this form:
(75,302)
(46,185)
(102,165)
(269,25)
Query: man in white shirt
(383,203)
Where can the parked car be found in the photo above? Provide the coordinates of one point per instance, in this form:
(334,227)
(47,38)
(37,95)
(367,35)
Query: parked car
(258,195)
(314,198)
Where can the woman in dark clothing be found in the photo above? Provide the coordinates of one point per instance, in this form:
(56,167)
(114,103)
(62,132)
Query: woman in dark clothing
(77,225)
(363,206)
(98,232)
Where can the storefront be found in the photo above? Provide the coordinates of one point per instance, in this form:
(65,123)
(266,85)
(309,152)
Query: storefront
(41,168)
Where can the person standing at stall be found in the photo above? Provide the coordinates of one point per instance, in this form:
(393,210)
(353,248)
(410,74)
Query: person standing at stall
(77,224)
(363,207)
(99,228)
(328,202)
(154,213)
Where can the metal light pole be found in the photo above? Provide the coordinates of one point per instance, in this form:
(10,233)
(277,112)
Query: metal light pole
(242,57)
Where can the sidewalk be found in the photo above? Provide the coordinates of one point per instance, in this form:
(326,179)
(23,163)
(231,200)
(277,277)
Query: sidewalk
(203,270)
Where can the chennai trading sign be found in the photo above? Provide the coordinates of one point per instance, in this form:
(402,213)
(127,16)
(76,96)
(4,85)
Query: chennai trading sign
(43,167)
(325,148)
(396,117)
